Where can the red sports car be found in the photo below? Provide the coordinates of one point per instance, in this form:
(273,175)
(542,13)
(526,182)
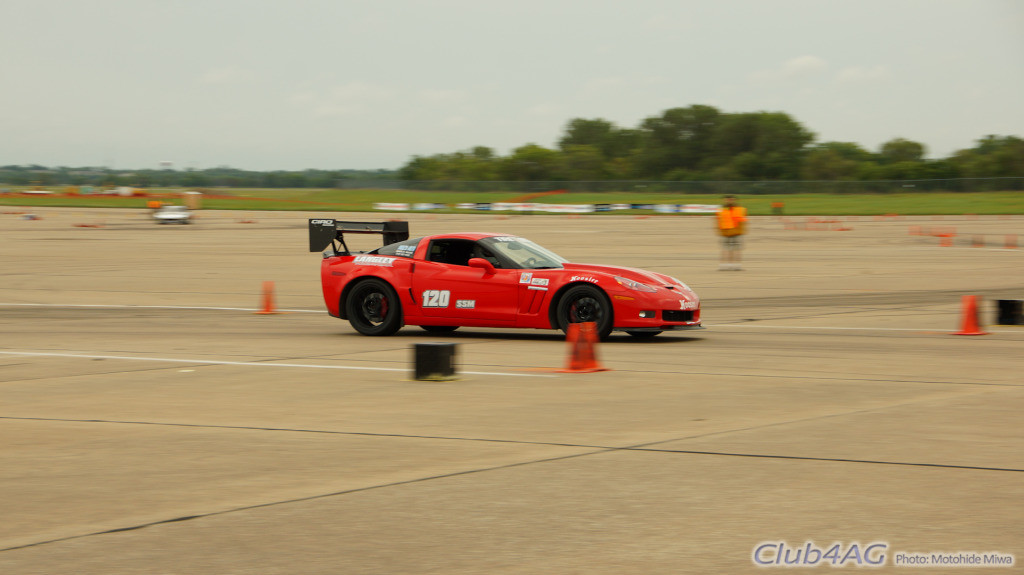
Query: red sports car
(445,281)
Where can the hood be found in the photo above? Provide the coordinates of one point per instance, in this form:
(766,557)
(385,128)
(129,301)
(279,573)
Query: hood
(644,276)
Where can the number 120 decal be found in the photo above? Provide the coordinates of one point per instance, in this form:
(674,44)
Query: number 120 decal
(436,297)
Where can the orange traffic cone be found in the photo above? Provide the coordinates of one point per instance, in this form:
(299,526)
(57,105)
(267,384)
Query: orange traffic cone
(582,338)
(268,299)
(969,325)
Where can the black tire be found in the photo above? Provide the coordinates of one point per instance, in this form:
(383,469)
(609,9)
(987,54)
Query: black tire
(643,334)
(440,328)
(585,303)
(373,308)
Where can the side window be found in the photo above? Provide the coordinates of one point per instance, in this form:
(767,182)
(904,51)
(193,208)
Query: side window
(482,251)
(401,249)
(451,251)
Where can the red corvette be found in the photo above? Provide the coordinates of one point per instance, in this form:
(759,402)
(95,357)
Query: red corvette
(445,281)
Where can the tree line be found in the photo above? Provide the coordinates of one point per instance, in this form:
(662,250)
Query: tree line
(35,175)
(702,143)
(695,144)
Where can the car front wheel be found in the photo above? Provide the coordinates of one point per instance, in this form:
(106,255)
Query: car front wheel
(373,308)
(584,303)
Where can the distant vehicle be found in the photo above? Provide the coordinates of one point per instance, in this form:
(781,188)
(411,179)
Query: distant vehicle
(444,281)
(172,215)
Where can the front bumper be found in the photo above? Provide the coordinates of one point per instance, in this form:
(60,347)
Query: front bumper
(656,313)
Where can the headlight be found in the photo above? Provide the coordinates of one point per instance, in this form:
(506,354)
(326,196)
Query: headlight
(634,285)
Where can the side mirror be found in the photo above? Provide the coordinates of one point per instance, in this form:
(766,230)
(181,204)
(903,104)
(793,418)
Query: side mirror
(482,264)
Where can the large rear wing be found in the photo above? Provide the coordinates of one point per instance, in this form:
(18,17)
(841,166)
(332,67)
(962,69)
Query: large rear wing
(324,231)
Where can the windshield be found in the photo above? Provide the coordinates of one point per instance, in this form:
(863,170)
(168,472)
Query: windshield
(523,253)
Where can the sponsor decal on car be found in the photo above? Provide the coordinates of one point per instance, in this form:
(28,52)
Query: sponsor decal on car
(374,261)
(505,239)
(685,305)
(525,277)
(539,281)
(405,250)
(583,279)
(436,297)
(465,304)
(322,222)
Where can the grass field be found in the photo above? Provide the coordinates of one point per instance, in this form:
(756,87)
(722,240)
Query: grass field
(923,203)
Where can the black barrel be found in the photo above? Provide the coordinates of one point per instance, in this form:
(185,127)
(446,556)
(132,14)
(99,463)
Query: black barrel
(1010,312)
(434,361)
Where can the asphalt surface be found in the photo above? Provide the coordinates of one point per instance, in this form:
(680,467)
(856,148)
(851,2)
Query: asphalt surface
(152,423)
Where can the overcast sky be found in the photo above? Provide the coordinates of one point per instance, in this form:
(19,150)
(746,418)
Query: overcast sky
(268,84)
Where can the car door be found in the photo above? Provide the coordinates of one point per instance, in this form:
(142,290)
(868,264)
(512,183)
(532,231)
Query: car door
(445,286)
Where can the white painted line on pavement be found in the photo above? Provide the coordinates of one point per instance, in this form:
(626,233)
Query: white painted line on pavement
(267,363)
(917,329)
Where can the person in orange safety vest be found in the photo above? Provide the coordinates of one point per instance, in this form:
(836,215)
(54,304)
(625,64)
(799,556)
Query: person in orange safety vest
(732,224)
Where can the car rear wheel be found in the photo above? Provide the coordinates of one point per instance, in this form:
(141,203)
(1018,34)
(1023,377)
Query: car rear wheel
(585,303)
(440,328)
(373,308)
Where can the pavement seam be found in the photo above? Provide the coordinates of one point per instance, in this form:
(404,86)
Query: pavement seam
(593,450)
(297,500)
(647,446)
